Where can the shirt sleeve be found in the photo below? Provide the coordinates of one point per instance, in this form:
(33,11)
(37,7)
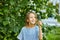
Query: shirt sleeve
(20,36)
(37,30)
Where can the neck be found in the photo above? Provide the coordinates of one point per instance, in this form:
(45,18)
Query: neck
(30,25)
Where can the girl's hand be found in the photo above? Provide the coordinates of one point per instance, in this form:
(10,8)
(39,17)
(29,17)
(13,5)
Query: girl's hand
(39,23)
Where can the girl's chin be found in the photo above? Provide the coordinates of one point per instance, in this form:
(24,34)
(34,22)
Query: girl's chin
(33,23)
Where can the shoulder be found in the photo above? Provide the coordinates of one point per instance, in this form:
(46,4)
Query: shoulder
(37,27)
(23,28)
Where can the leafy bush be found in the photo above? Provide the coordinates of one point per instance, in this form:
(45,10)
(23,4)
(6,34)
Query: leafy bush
(12,15)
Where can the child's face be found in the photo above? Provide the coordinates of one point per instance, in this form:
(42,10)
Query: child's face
(32,18)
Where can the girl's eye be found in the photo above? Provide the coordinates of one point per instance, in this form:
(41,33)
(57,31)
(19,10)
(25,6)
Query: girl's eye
(31,17)
(35,17)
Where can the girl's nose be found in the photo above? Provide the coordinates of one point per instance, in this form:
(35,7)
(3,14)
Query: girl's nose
(33,18)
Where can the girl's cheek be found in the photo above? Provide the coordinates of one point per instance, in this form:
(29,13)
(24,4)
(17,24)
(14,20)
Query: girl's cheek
(30,19)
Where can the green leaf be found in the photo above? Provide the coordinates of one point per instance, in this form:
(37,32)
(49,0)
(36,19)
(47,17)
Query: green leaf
(1,36)
(12,2)
(1,13)
(6,10)
(5,23)
(5,38)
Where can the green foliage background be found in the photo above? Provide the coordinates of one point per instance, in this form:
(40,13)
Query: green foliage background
(12,15)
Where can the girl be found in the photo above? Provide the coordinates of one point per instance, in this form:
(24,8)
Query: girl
(31,31)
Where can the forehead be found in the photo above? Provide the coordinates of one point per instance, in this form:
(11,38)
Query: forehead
(32,14)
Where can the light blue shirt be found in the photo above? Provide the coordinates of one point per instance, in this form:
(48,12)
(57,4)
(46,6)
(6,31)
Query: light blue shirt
(29,33)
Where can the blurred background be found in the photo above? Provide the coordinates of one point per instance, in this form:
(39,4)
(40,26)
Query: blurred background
(12,17)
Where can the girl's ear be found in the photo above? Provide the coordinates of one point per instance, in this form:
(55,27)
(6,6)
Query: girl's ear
(27,20)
